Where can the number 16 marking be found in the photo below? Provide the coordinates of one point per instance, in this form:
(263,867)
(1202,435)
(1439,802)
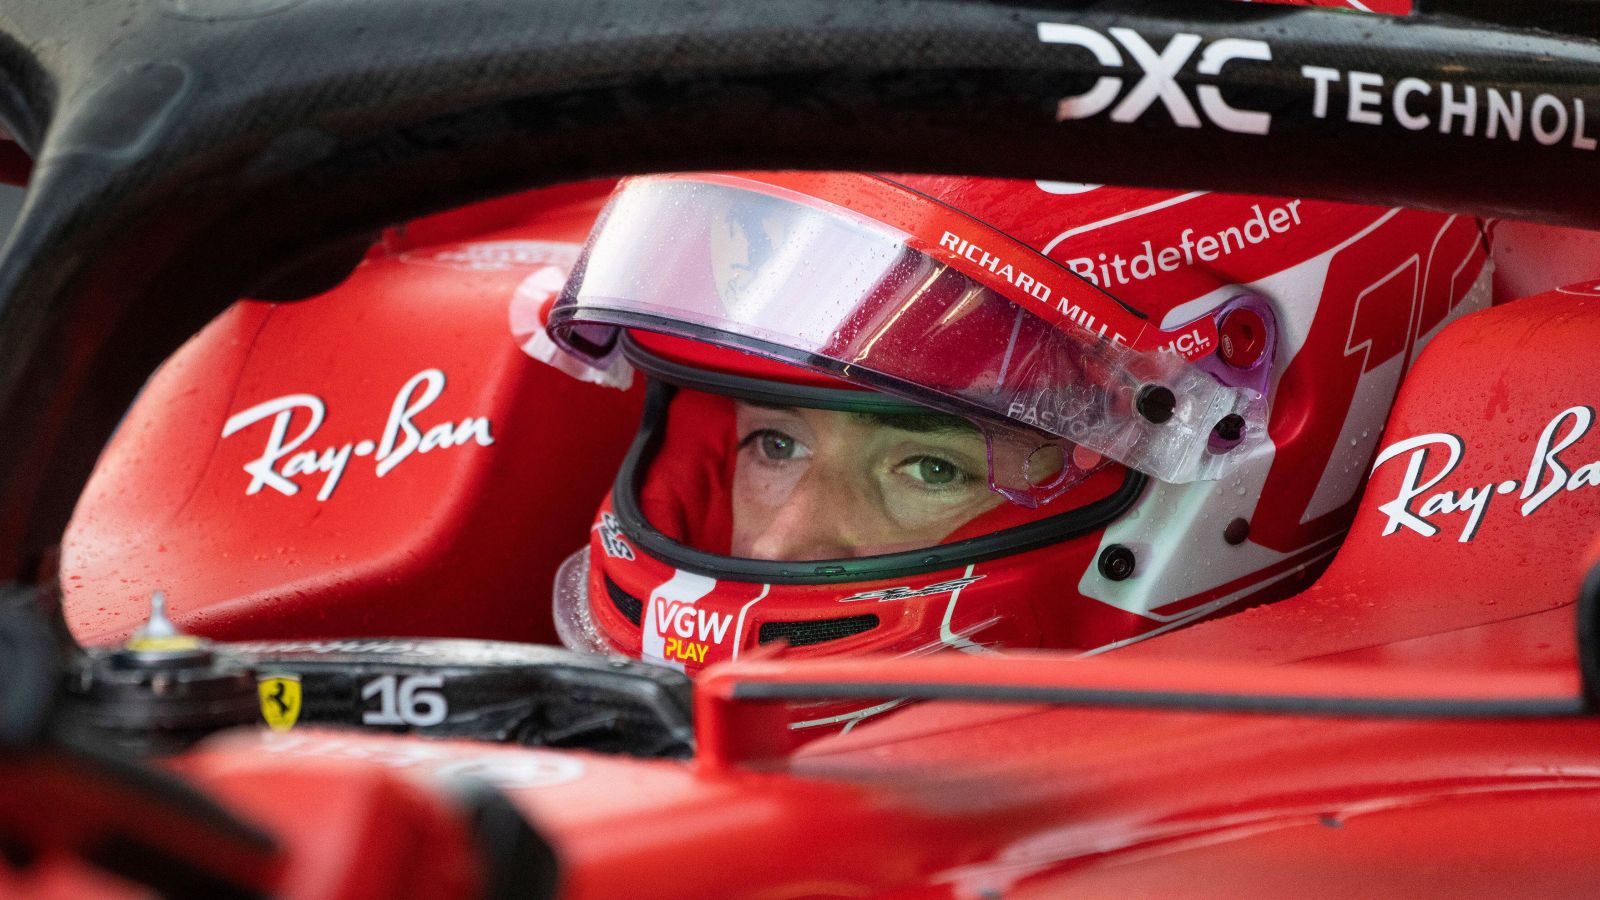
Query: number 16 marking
(414,700)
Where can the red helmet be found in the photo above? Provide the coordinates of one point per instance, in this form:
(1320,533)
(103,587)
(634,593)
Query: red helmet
(1177,396)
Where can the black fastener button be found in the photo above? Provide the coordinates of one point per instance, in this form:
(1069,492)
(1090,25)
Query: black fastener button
(1156,403)
(1229,428)
(1236,532)
(1116,562)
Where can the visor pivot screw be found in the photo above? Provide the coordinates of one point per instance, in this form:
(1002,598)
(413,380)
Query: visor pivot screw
(1236,532)
(1116,562)
(1229,429)
(1242,338)
(1156,403)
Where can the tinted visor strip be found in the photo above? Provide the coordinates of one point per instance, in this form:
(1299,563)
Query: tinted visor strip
(760,390)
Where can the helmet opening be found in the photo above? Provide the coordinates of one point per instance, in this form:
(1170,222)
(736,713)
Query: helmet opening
(673,496)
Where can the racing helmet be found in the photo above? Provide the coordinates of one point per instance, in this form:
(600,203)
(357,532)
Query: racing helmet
(1171,399)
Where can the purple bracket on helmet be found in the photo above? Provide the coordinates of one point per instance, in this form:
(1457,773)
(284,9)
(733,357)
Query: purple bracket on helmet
(1255,377)
(1258,374)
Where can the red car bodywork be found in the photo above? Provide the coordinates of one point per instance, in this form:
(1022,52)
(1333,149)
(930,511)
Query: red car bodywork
(946,798)
(1033,776)
(414,550)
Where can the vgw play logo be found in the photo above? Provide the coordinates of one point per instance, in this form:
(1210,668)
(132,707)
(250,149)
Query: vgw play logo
(1159,79)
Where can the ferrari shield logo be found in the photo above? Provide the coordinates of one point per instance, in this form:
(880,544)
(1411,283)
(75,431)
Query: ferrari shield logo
(280,700)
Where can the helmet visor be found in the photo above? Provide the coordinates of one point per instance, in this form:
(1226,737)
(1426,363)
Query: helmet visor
(756,267)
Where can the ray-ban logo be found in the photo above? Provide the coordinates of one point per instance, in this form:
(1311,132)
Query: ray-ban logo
(1549,474)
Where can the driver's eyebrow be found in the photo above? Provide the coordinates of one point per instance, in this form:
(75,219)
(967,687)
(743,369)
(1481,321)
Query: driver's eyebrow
(929,422)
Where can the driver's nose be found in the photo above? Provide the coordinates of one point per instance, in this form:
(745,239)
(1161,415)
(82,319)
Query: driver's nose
(816,521)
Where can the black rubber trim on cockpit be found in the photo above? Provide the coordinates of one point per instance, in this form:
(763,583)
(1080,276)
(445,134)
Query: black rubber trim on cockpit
(1376,707)
(1589,639)
(625,502)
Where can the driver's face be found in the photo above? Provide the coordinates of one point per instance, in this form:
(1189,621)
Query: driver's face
(815,484)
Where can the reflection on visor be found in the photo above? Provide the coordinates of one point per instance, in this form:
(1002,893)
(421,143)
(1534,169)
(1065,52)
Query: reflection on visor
(797,280)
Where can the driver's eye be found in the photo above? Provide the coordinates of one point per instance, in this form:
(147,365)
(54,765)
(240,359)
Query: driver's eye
(772,444)
(934,471)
